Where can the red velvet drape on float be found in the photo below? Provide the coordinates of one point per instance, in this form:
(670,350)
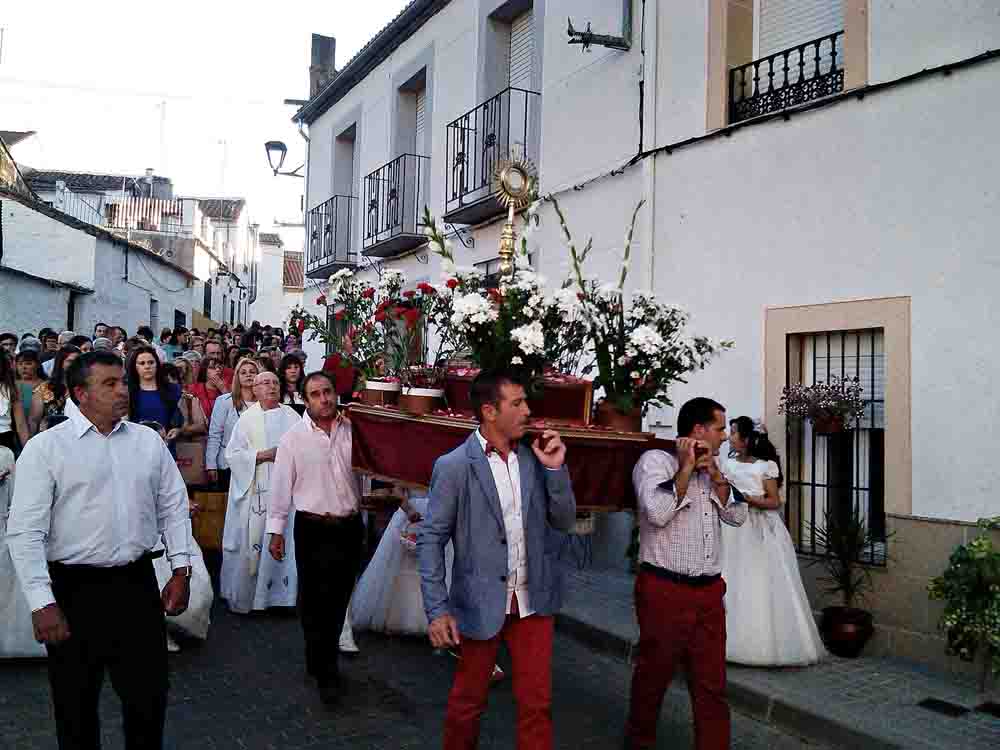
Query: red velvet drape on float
(395,446)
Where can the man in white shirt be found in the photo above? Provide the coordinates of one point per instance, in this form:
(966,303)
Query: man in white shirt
(94,495)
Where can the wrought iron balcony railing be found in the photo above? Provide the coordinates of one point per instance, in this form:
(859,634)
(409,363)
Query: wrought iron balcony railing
(394,199)
(793,76)
(329,236)
(499,128)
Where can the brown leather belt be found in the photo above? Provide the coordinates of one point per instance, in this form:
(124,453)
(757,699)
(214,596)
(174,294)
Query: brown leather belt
(328,519)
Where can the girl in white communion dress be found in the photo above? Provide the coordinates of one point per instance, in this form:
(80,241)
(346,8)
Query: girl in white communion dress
(768,618)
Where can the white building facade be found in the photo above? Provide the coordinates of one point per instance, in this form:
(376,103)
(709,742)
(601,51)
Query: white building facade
(819,178)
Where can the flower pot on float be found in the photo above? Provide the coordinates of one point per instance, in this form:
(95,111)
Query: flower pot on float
(846,630)
(608,415)
(563,398)
(380,393)
(420,401)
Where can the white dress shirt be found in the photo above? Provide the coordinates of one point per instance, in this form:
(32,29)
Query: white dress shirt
(507,477)
(83,498)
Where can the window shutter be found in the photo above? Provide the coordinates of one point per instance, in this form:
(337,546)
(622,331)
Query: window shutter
(787,23)
(522,50)
(420,148)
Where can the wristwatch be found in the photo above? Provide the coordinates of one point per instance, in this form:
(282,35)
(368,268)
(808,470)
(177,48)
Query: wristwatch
(186,572)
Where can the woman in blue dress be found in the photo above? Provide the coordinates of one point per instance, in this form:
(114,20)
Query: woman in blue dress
(151,397)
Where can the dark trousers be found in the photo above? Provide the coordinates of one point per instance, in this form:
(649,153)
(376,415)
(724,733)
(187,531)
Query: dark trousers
(529,641)
(327,557)
(116,624)
(680,626)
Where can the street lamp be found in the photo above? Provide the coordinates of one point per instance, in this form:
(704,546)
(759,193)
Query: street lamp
(276,152)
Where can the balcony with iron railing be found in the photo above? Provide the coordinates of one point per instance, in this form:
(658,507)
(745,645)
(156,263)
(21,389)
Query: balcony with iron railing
(394,198)
(330,236)
(503,127)
(794,76)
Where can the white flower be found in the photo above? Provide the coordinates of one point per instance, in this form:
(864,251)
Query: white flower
(621,361)
(516,361)
(428,231)
(529,338)
(472,309)
(646,340)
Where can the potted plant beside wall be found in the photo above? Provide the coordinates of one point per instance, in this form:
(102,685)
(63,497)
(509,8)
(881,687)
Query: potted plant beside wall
(845,537)
(970,588)
(830,406)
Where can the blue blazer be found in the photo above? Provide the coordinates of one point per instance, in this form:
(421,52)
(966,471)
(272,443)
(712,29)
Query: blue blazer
(464,508)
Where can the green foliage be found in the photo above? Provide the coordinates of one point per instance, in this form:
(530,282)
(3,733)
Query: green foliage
(970,588)
(845,538)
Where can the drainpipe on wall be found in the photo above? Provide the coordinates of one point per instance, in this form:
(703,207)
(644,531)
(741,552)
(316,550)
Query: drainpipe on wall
(650,46)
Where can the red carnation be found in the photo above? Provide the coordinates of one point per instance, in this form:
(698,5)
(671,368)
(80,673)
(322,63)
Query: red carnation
(412,316)
(495,295)
(581,296)
(380,316)
(321,300)
(426,288)
(451,283)
(368,293)
(301,326)
(339,315)
(409,294)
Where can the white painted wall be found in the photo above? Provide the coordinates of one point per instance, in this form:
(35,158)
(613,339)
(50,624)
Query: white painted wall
(892,195)
(274,302)
(27,305)
(125,301)
(30,236)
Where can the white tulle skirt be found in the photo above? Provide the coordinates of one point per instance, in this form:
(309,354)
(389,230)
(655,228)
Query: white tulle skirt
(196,618)
(387,599)
(17,635)
(768,618)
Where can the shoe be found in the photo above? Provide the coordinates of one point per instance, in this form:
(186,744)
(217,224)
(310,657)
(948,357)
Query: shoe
(172,646)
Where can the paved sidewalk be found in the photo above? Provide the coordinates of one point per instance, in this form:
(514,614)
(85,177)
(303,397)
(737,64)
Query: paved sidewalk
(864,703)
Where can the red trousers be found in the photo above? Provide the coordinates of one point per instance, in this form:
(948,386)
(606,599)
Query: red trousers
(680,625)
(529,641)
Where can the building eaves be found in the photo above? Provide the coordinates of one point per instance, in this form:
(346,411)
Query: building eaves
(95,231)
(43,280)
(13,137)
(270,238)
(398,30)
(84,181)
(223,209)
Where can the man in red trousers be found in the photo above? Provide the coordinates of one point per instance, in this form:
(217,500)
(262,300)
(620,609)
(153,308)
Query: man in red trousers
(683,500)
(498,501)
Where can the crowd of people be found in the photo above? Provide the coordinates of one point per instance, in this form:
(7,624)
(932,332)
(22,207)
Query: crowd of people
(470,565)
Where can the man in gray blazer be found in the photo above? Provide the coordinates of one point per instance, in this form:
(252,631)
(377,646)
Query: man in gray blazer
(500,503)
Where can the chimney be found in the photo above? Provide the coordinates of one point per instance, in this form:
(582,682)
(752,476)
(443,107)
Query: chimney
(322,69)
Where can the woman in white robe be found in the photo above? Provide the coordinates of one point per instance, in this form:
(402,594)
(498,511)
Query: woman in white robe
(17,634)
(251,580)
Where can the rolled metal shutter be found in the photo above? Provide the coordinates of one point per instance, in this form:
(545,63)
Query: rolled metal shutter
(787,23)
(420,146)
(522,50)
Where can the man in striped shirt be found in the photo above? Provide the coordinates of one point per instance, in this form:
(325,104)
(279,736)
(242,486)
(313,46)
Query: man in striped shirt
(683,500)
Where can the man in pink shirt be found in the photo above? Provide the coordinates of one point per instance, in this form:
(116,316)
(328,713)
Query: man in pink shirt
(312,473)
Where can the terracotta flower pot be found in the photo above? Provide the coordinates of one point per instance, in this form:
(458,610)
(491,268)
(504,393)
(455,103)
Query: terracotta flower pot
(380,393)
(828,425)
(420,401)
(608,416)
(846,630)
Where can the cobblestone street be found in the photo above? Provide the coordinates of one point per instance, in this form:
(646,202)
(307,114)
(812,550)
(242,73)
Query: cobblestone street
(245,688)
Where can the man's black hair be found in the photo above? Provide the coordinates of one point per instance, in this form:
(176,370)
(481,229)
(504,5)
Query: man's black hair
(486,388)
(145,332)
(697,411)
(98,325)
(79,340)
(80,369)
(8,336)
(317,374)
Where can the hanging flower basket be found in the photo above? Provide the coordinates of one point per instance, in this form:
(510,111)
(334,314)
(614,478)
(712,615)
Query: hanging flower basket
(830,424)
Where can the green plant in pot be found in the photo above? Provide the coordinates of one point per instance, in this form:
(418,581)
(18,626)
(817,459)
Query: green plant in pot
(845,536)
(970,588)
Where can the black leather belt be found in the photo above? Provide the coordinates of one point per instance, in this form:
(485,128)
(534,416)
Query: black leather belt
(329,520)
(679,577)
